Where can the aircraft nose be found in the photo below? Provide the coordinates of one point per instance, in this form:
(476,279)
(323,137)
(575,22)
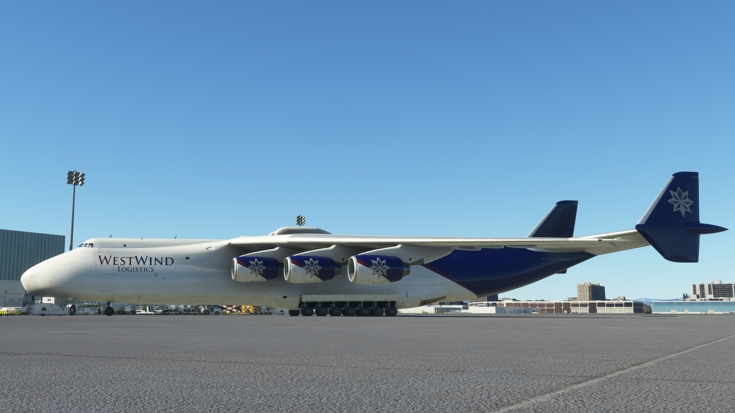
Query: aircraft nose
(25,279)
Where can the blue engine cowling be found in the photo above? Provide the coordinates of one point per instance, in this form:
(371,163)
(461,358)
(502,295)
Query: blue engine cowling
(376,269)
(309,269)
(246,268)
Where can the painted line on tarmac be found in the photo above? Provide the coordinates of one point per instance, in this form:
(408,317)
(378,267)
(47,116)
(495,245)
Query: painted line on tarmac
(528,403)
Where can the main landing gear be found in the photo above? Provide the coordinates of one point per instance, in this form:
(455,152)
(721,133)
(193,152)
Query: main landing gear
(351,309)
(322,311)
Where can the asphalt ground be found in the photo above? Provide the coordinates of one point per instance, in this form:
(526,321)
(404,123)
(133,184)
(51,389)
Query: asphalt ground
(539,363)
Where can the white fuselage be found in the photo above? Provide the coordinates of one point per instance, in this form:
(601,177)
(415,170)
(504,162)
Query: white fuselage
(200,273)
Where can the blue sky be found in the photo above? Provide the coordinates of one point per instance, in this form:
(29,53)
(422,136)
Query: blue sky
(215,120)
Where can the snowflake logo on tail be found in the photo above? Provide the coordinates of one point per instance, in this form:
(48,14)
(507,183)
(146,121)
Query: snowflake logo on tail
(312,267)
(379,267)
(680,200)
(256,267)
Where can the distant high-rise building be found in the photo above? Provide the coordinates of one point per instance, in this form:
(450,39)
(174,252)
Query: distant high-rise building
(715,289)
(590,292)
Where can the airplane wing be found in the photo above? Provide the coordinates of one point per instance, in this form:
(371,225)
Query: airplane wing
(593,244)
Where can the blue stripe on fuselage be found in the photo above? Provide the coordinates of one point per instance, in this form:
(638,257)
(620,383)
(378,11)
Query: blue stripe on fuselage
(492,271)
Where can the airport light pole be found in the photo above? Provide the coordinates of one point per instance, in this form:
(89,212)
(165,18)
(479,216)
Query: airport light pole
(73,178)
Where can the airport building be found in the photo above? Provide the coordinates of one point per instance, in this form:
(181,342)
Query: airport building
(578,307)
(693,307)
(713,298)
(20,251)
(493,297)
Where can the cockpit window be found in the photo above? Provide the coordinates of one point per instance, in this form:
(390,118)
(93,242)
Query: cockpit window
(86,245)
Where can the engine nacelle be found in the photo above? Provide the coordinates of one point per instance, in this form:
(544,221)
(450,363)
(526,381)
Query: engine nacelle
(305,269)
(376,269)
(247,268)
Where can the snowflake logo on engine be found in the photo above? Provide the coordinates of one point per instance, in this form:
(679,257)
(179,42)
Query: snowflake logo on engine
(312,267)
(379,267)
(680,200)
(256,267)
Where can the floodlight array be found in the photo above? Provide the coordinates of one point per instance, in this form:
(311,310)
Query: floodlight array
(75,178)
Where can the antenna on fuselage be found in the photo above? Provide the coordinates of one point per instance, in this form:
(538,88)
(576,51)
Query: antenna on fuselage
(300,220)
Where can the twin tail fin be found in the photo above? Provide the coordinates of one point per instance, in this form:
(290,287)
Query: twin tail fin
(558,223)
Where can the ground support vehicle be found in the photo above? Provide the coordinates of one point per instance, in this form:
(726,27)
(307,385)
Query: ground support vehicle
(146,311)
(210,309)
(49,309)
(15,303)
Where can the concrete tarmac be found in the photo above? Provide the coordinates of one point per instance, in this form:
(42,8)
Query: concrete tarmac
(539,363)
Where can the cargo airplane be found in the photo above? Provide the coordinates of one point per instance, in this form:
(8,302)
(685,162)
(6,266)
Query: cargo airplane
(310,271)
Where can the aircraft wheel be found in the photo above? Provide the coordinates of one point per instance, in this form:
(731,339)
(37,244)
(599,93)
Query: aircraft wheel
(350,311)
(391,311)
(364,311)
(307,311)
(336,312)
(293,313)
(322,311)
(378,311)
(72,310)
(109,311)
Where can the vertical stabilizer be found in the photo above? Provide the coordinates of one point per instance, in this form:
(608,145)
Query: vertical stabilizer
(671,224)
(558,223)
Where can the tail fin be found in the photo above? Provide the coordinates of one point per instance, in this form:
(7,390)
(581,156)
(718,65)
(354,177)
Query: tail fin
(671,224)
(559,222)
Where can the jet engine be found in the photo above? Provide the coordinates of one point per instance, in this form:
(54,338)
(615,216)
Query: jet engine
(306,269)
(246,268)
(376,269)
